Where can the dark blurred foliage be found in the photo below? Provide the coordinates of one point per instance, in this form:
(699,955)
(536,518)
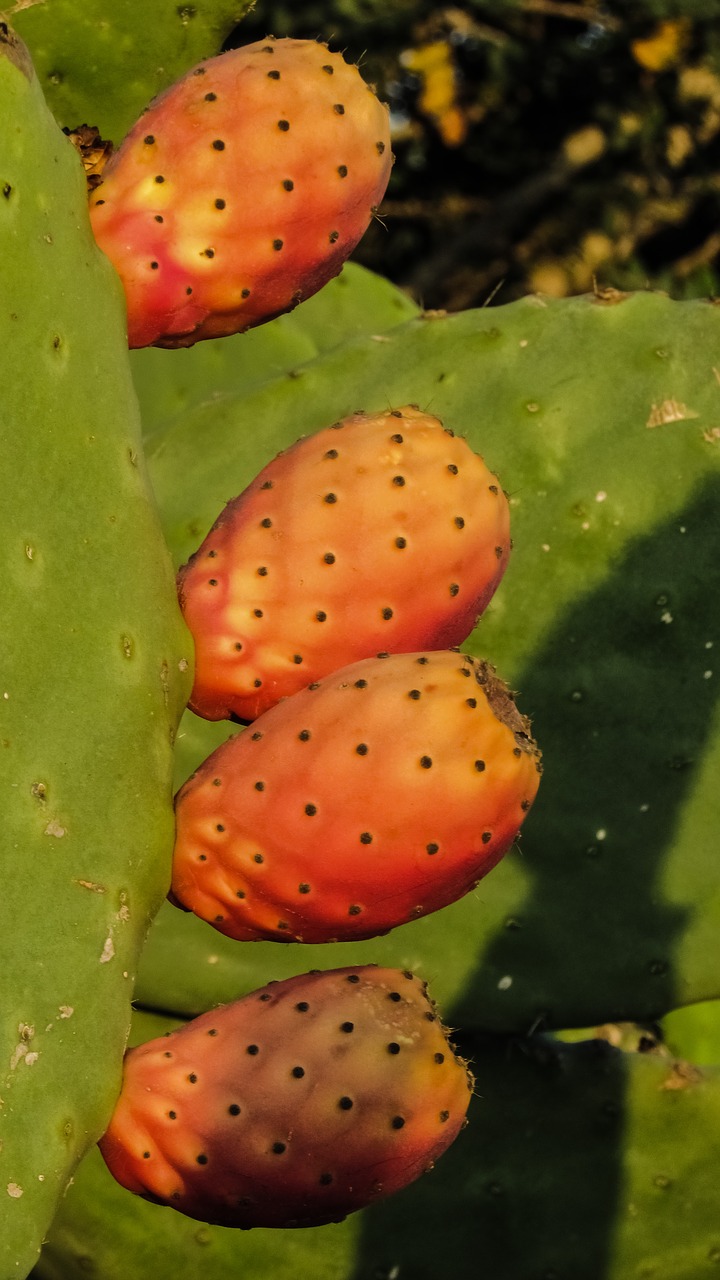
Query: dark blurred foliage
(540,144)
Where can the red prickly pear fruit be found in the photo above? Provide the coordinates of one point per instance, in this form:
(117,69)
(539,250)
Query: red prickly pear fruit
(383,532)
(241,190)
(375,796)
(294,1106)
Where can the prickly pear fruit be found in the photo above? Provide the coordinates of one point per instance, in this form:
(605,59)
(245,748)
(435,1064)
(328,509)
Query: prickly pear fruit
(382,532)
(241,190)
(372,797)
(294,1106)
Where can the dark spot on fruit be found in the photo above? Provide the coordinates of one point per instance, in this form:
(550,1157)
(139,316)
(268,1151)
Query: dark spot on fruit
(387,614)
(480,766)
(524,805)
(471,702)
(329,558)
(266,995)
(258,613)
(240,893)
(288,184)
(380,147)
(498,552)
(302,1006)
(439,1057)
(253,1050)
(452,469)
(246,294)
(444,1115)
(339,109)
(354,910)
(219,827)
(158,216)
(343,170)
(210,97)
(365,837)
(201,1159)
(393,1047)
(266,523)
(426,762)
(397,1122)
(199,71)
(397,438)
(454,589)
(192,1078)
(303,888)
(401,543)
(277,245)
(460,523)
(258,857)
(233,1109)
(414,694)
(148,139)
(278,1148)
(345,1103)
(208,253)
(219,203)
(330,453)
(432,847)
(268,483)
(172,1115)
(321,615)
(361,749)
(422,660)
(159,178)
(314,685)
(218,145)
(347,1027)
(256,736)
(274,75)
(394,996)
(353,977)
(146,1155)
(334,236)
(311,810)
(486,837)
(330,498)
(283,925)
(399,481)
(330,70)
(517,751)
(202,857)
(408,973)
(304,735)
(219,919)
(259,786)
(361,684)
(189,289)
(167,1053)
(298,1072)
(212,582)
(284,125)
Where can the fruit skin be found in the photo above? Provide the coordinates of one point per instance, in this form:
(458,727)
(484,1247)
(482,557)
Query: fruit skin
(241,190)
(384,531)
(375,796)
(294,1106)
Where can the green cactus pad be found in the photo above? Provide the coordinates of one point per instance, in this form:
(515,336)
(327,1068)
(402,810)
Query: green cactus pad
(356,302)
(100,63)
(601,416)
(579,1160)
(91,644)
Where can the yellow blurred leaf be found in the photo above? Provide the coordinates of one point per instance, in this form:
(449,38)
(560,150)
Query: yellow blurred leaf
(434,65)
(664,47)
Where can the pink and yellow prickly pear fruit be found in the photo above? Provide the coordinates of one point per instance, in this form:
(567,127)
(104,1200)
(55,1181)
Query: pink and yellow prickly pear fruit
(294,1106)
(383,532)
(241,190)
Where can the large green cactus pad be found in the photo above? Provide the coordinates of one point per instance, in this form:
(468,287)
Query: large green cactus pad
(579,1160)
(602,418)
(100,63)
(91,646)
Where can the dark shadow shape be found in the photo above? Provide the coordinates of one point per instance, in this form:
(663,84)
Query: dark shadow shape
(531,1190)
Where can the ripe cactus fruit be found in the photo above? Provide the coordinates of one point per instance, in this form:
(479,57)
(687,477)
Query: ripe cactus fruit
(317,563)
(365,800)
(241,190)
(294,1106)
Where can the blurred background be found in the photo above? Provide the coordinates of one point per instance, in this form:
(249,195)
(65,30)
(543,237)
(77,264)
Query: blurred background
(540,144)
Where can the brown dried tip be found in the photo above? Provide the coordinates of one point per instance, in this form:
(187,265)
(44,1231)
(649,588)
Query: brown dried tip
(94,152)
